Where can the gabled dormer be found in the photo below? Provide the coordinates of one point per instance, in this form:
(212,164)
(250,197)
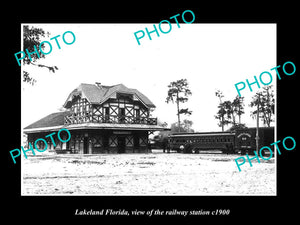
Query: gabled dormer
(97,103)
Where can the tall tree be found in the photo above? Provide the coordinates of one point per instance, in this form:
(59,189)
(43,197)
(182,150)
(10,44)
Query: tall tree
(238,107)
(229,110)
(221,112)
(230,118)
(32,37)
(266,105)
(179,92)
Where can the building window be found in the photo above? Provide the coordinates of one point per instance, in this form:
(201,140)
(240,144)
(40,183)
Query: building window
(143,141)
(105,141)
(129,141)
(113,141)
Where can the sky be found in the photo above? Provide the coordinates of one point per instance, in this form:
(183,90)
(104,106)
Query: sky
(210,56)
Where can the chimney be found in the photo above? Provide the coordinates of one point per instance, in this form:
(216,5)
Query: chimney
(98,84)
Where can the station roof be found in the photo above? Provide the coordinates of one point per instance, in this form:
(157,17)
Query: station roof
(98,94)
(52,120)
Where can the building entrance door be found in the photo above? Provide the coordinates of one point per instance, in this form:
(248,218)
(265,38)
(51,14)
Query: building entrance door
(121,115)
(121,144)
(85,145)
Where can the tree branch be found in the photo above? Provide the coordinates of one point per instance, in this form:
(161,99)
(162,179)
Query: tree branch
(50,68)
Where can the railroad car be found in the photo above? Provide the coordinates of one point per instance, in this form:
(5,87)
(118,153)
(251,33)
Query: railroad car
(246,139)
(239,141)
(195,142)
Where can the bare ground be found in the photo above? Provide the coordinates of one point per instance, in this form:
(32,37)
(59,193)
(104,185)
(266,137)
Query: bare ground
(146,174)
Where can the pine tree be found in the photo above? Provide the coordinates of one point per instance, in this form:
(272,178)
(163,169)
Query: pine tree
(265,100)
(178,92)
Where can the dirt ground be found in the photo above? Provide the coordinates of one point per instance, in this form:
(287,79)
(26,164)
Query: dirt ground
(154,173)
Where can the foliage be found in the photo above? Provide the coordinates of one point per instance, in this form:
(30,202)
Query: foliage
(221,116)
(185,126)
(32,37)
(160,123)
(266,105)
(237,108)
(238,126)
(179,92)
(229,110)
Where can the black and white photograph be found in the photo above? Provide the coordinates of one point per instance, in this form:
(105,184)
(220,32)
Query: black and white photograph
(148,118)
(150,114)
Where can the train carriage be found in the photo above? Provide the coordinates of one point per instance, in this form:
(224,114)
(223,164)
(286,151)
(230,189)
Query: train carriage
(195,142)
(245,140)
(239,141)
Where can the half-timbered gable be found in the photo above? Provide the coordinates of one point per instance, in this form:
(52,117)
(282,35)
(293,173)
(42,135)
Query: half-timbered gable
(118,104)
(101,119)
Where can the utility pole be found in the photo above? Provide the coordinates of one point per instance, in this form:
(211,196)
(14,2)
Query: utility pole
(257,125)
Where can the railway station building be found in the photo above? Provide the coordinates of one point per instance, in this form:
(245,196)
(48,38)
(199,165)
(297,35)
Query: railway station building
(101,119)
